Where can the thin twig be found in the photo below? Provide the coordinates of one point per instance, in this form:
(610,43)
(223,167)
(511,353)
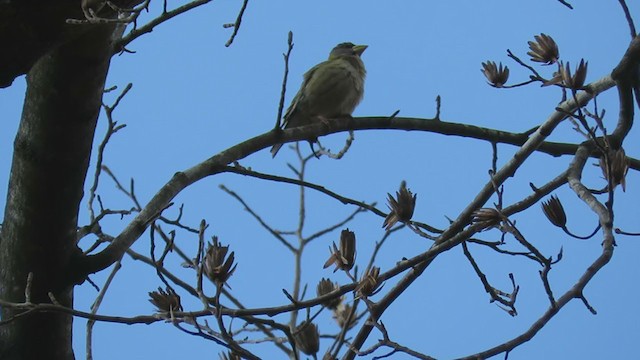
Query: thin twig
(627,15)
(284,79)
(147,28)
(316,187)
(506,299)
(112,128)
(336,226)
(96,305)
(566,4)
(259,219)
(236,25)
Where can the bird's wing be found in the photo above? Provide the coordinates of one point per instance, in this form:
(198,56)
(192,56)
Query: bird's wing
(298,101)
(327,90)
(329,81)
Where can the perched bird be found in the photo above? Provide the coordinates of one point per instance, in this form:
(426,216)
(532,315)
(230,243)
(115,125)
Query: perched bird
(329,90)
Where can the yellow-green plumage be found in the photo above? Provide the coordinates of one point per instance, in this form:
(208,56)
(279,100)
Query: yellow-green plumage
(329,90)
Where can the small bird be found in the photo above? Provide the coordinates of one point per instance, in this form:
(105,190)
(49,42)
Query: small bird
(329,90)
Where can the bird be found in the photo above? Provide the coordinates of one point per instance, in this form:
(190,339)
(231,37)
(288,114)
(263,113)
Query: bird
(331,89)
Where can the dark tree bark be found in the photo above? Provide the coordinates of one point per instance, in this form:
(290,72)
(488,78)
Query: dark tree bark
(30,29)
(51,155)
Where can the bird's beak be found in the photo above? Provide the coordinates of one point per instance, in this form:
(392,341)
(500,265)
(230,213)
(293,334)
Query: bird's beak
(359,49)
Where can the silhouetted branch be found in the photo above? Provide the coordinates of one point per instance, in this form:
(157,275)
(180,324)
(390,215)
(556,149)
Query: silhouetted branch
(236,25)
(627,15)
(506,299)
(284,79)
(147,28)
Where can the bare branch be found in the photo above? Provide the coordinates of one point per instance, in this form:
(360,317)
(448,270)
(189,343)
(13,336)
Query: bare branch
(563,2)
(269,229)
(147,28)
(236,25)
(627,15)
(284,79)
(96,306)
(112,128)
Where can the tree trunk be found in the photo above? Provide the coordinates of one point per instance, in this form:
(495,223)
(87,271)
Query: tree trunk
(52,150)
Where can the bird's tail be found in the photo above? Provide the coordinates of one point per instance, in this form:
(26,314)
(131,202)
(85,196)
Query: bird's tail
(275,149)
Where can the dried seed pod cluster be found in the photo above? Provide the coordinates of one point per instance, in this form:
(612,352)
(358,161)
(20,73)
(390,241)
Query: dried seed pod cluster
(307,337)
(554,211)
(325,287)
(575,81)
(217,266)
(487,218)
(401,207)
(616,172)
(496,75)
(344,257)
(370,283)
(542,50)
(165,301)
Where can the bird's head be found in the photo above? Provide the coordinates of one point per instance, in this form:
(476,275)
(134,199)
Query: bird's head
(347,49)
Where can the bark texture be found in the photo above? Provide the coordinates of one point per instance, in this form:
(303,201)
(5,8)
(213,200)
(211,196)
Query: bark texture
(52,150)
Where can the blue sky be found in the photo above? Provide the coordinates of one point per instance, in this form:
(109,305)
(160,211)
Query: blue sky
(193,97)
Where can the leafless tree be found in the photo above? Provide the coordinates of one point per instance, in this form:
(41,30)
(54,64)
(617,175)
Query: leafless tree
(65,49)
